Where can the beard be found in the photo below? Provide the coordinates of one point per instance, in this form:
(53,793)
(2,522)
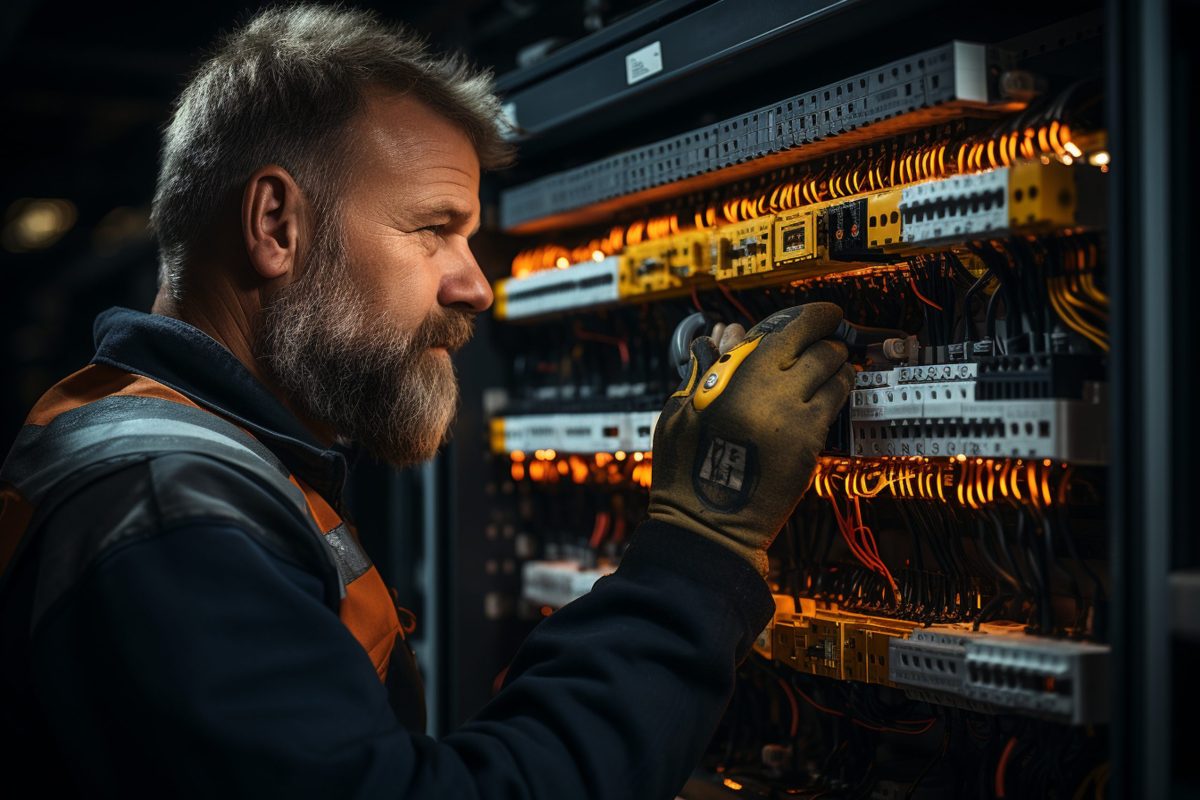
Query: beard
(342,364)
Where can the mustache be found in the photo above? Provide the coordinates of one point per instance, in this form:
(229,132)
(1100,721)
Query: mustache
(448,329)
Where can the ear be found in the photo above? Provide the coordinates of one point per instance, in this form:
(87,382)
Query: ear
(273,215)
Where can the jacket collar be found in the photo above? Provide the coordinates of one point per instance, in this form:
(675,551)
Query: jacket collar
(194,364)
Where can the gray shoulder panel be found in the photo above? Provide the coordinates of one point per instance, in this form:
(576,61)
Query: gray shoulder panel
(81,472)
(145,499)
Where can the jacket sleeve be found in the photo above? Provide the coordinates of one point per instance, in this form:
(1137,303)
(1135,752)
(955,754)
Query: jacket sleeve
(196,662)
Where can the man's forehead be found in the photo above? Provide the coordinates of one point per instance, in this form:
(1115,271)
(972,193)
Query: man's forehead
(400,134)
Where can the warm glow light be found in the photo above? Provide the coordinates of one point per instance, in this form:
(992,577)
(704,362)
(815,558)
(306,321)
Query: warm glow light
(732,784)
(619,455)
(1100,158)
(961,457)
(1068,160)
(549,454)
(518,471)
(638,456)
(36,224)
(1073,149)
(562,263)
(517,455)
(597,255)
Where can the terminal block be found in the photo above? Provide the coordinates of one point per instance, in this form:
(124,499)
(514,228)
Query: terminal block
(1001,669)
(989,202)
(926,88)
(832,643)
(743,249)
(662,266)
(606,432)
(556,583)
(940,410)
(796,238)
(589,285)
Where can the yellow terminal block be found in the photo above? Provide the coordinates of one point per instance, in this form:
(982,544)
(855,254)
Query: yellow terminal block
(795,237)
(1041,194)
(883,219)
(496,435)
(831,643)
(743,248)
(665,265)
(500,303)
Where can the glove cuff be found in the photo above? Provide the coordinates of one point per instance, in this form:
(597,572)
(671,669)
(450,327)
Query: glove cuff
(714,565)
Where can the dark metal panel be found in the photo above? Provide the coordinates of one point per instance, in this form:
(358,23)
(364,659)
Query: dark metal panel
(613,35)
(1141,375)
(710,35)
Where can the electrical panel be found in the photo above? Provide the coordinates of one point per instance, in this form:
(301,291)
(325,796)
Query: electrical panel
(941,590)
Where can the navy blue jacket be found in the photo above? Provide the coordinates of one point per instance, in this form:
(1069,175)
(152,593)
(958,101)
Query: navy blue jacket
(148,649)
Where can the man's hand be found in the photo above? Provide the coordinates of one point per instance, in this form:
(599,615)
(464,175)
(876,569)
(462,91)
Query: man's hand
(736,445)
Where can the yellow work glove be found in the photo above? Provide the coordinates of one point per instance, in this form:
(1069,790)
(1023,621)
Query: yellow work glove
(736,445)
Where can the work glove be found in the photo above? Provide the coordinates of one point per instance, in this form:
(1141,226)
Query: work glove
(736,445)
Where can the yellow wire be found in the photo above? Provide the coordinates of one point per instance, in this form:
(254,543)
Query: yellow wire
(1075,301)
(1083,330)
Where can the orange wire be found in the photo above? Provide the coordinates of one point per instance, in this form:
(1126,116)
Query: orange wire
(1002,765)
(922,297)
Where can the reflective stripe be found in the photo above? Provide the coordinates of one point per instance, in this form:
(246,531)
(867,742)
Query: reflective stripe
(121,426)
(351,561)
(120,429)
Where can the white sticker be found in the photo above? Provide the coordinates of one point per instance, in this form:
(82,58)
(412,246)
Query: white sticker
(641,64)
(725,464)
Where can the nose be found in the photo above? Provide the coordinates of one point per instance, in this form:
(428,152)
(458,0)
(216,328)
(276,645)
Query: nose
(463,285)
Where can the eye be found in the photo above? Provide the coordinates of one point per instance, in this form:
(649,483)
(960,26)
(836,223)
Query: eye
(437,230)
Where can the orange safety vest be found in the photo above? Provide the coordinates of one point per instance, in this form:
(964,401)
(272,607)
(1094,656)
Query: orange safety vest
(103,418)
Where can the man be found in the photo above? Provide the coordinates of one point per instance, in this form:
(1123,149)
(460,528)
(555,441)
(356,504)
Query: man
(185,611)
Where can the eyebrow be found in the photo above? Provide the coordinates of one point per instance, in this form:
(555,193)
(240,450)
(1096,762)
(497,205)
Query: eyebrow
(453,212)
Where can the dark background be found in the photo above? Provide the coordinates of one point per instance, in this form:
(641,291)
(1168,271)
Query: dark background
(86,90)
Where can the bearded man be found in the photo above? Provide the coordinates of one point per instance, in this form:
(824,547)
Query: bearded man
(185,610)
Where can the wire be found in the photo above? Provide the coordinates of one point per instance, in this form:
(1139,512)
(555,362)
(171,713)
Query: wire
(736,303)
(1002,765)
(598,530)
(922,297)
(795,707)
(590,336)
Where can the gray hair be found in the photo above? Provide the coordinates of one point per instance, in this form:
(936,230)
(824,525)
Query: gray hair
(281,90)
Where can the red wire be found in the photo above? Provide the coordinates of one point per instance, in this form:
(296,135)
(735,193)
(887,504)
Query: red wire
(599,529)
(874,548)
(926,725)
(736,303)
(847,530)
(817,705)
(619,530)
(591,336)
(922,297)
(1002,765)
(791,696)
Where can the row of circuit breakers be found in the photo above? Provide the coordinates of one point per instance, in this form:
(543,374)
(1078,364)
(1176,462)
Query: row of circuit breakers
(995,407)
(932,82)
(993,668)
(819,239)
